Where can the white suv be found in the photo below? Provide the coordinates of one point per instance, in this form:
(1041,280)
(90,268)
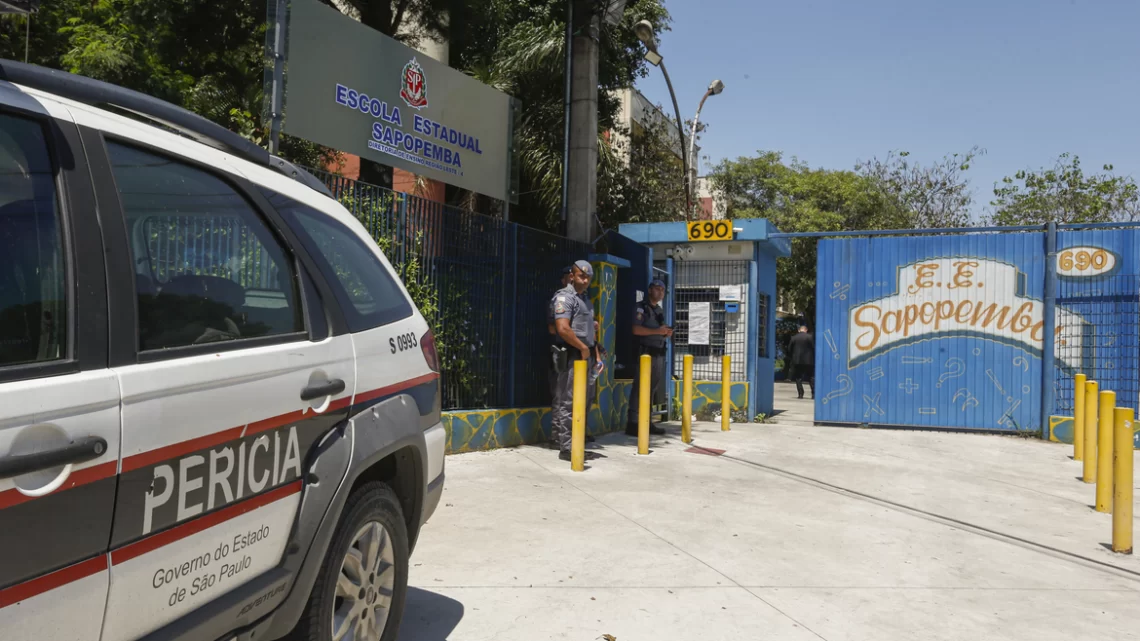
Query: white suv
(219,408)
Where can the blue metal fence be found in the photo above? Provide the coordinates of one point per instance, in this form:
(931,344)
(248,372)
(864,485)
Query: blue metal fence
(219,245)
(482,283)
(1098,284)
(975,330)
(931,331)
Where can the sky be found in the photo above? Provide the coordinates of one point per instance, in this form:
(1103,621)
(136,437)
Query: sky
(832,82)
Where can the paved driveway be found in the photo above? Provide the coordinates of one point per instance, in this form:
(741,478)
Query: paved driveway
(794,533)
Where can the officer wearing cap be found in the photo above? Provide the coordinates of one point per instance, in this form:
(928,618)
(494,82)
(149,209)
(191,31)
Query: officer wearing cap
(651,334)
(574,324)
(567,273)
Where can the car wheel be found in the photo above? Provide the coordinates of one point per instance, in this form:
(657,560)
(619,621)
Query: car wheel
(359,593)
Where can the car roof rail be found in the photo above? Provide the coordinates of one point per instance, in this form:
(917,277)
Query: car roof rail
(183,121)
(299,174)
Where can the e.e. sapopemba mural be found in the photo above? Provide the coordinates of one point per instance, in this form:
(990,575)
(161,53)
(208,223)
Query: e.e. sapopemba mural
(943,331)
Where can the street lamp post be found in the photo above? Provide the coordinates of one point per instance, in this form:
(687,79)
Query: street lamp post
(644,30)
(715,87)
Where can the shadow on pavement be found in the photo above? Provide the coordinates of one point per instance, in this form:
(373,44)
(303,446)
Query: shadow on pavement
(429,616)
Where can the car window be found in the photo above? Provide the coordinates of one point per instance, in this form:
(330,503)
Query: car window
(207,267)
(33,299)
(365,289)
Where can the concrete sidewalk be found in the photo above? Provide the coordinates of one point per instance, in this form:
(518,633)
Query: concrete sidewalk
(796,532)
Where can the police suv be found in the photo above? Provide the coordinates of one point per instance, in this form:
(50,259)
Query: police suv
(219,408)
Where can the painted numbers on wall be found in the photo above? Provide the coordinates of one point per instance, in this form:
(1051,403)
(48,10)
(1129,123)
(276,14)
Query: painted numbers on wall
(1085,262)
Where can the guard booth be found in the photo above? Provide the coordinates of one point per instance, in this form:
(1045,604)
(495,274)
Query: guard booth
(720,280)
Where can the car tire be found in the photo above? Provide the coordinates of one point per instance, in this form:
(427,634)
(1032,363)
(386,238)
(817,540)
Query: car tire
(371,513)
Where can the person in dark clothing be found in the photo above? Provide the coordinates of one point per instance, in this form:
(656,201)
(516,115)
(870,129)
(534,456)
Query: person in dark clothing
(552,373)
(557,342)
(651,335)
(801,356)
(574,323)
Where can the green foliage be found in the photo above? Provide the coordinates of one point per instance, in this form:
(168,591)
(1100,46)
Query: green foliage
(178,50)
(519,48)
(649,186)
(926,197)
(1065,194)
(797,198)
(786,328)
(443,303)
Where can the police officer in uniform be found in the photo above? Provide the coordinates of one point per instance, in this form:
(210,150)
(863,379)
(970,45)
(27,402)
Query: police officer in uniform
(651,333)
(555,341)
(574,323)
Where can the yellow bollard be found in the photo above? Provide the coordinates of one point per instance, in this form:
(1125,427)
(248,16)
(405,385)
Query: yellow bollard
(578,419)
(643,404)
(725,391)
(1079,417)
(687,400)
(1090,432)
(1122,483)
(1104,453)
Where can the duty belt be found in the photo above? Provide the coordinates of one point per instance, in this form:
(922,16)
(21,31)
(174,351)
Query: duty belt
(652,350)
(575,355)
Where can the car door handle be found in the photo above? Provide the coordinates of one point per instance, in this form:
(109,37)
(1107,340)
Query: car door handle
(79,451)
(313,392)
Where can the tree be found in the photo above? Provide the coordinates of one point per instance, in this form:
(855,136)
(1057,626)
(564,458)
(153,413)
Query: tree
(176,50)
(180,51)
(519,47)
(1065,194)
(797,198)
(935,196)
(648,186)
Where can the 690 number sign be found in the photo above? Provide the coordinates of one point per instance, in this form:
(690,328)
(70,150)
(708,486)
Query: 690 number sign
(710,230)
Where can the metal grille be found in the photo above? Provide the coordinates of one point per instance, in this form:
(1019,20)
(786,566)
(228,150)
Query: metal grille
(482,284)
(1106,345)
(700,282)
(222,246)
(375,207)
(532,277)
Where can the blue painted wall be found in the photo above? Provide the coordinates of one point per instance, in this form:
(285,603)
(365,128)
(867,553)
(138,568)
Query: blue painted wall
(947,331)
(886,353)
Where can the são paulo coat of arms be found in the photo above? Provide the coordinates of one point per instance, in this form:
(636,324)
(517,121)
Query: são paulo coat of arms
(414,89)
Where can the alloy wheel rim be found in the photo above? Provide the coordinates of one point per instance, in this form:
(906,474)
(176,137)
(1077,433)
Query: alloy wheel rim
(365,586)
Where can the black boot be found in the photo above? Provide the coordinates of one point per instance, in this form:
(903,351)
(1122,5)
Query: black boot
(564,455)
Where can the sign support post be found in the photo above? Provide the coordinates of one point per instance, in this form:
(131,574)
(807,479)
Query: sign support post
(277,27)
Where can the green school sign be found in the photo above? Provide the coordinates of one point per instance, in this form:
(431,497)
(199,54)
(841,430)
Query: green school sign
(352,88)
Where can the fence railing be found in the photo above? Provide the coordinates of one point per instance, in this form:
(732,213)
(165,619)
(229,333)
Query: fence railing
(483,284)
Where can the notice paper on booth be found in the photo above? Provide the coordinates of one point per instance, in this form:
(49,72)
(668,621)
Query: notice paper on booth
(699,314)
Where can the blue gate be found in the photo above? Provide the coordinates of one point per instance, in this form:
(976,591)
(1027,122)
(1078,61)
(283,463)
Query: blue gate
(948,331)
(1097,280)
